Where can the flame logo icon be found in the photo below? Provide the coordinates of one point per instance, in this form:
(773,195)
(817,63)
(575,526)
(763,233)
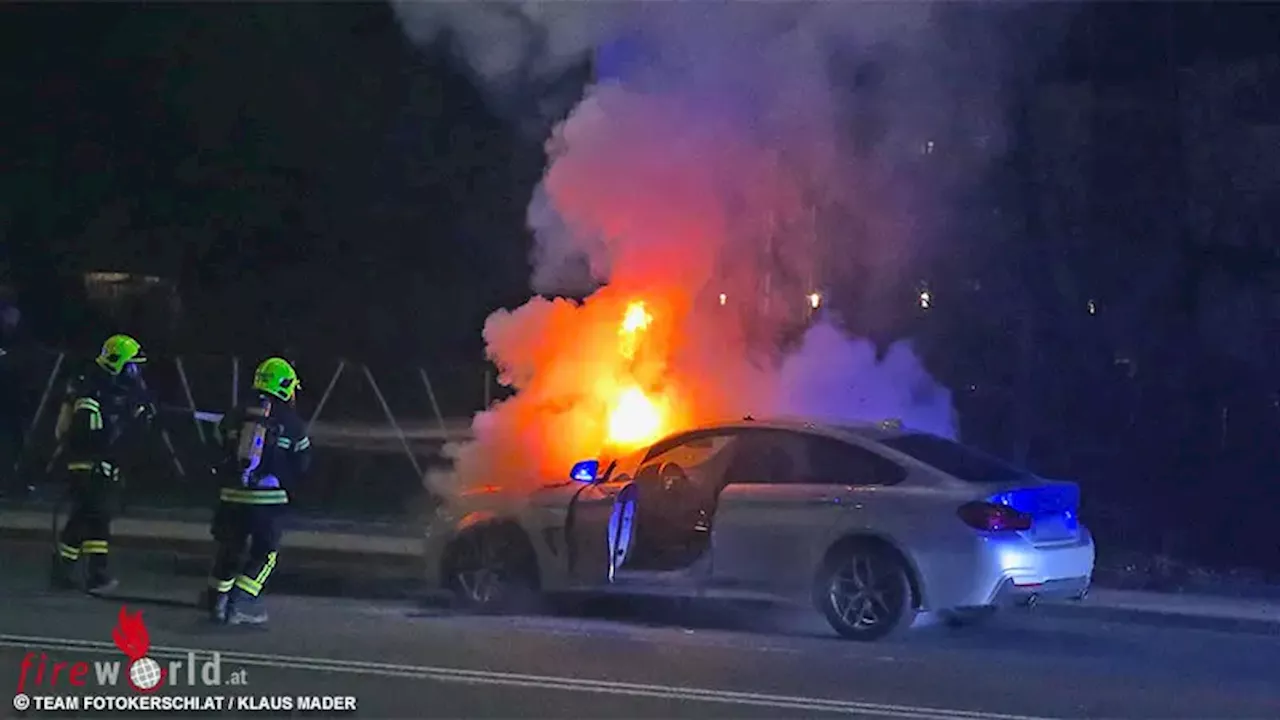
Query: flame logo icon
(130,635)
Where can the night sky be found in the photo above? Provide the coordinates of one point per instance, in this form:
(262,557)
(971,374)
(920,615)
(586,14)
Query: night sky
(296,168)
(301,168)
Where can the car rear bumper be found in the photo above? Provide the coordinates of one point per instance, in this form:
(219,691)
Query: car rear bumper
(1011,594)
(1000,569)
(1020,572)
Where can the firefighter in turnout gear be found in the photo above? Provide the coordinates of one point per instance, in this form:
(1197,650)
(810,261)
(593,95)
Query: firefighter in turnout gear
(266,450)
(100,406)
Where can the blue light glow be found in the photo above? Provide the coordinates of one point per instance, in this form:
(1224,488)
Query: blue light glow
(1063,500)
(585,471)
(619,59)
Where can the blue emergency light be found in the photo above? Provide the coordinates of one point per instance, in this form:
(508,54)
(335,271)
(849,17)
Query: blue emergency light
(585,471)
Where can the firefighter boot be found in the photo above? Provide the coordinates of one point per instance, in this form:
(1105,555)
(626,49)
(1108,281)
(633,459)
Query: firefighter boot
(219,607)
(62,573)
(99,581)
(245,609)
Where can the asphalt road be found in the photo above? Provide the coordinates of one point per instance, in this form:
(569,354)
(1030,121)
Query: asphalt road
(400,659)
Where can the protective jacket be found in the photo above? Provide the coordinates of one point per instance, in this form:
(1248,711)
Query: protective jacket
(98,409)
(266,452)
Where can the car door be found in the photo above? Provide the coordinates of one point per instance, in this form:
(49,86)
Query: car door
(673,495)
(786,493)
(596,524)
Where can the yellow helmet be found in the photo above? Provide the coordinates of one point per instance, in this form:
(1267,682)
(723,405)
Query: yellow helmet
(275,376)
(119,351)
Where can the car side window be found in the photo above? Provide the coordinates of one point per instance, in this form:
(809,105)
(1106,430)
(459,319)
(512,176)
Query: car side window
(687,465)
(764,457)
(835,462)
(689,451)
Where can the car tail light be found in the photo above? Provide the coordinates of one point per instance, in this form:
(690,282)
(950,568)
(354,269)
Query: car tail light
(991,517)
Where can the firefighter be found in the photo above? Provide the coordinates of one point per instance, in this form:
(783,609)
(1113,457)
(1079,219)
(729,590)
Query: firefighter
(100,405)
(265,452)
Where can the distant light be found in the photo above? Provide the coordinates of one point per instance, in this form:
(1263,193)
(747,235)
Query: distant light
(723,298)
(1093,308)
(815,300)
(927,147)
(926,299)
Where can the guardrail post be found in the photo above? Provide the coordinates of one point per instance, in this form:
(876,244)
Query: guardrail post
(44,400)
(391,418)
(333,381)
(173,453)
(235,381)
(191,399)
(431,393)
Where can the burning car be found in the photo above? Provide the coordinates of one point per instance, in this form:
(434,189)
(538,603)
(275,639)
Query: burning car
(871,524)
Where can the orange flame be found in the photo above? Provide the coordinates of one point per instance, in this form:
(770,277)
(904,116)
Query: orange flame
(637,318)
(635,419)
(130,635)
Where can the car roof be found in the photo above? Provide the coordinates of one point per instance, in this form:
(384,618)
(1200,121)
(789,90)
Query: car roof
(874,431)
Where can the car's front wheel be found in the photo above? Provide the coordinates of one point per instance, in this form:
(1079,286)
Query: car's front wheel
(865,593)
(493,568)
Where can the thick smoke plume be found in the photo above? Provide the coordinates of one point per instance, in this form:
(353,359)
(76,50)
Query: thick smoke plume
(730,160)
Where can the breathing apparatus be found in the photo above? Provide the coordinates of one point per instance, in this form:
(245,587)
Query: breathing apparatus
(254,434)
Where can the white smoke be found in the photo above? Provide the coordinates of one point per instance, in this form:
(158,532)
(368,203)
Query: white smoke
(747,146)
(834,379)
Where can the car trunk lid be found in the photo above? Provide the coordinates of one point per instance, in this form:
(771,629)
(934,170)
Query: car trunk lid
(1053,506)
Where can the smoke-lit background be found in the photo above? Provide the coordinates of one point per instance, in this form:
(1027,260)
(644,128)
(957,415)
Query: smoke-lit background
(1057,221)
(716,169)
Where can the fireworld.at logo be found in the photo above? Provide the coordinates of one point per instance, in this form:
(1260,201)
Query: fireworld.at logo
(130,635)
(143,673)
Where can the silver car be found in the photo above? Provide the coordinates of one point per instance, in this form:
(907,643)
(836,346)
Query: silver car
(871,524)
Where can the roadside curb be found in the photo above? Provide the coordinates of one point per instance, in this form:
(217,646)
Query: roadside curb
(1160,618)
(14,514)
(29,525)
(319,564)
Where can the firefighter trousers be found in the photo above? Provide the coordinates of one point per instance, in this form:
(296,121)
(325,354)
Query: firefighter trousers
(248,539)
(93,487)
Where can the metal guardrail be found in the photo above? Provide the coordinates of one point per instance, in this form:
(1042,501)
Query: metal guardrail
(360,435)
(376,438)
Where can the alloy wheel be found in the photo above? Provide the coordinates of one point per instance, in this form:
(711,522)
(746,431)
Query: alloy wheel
(860,596)
(483,568)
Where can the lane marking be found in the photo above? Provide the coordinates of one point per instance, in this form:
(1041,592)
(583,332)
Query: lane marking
(617,630)
(542,682)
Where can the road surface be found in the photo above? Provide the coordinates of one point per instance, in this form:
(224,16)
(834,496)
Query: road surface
(404,659)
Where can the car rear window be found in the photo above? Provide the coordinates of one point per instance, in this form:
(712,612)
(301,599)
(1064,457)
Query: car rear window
(955,459)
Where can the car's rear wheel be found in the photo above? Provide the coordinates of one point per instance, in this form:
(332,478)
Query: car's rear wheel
(865,593)
(493,568)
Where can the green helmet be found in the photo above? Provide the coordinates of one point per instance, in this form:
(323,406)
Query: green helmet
(120,351)
(275,376)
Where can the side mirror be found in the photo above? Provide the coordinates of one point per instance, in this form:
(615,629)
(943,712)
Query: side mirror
(585,471)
